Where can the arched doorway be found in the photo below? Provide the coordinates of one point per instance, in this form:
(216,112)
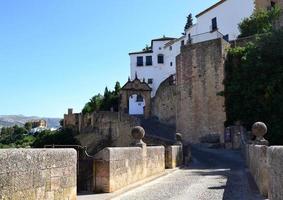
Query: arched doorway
(135,98)
(136,104)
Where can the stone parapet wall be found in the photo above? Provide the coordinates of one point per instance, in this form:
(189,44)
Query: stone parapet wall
(173,156)
(257,163)
(118,167)
(265,164)
(38,174)
(111,127)
(155,160)
(275,169)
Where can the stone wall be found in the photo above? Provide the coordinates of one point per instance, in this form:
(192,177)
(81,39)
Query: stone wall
(38,174)
(164,103)
(275,163)
(112,128)
(265,164)
(119,167)
(173,156)
(200,75)
(257,163)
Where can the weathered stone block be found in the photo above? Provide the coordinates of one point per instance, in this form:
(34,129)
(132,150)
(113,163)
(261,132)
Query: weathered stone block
(37,174)
(275,163)
(173,156)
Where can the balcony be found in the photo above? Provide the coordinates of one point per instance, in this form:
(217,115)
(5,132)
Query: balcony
(206,37)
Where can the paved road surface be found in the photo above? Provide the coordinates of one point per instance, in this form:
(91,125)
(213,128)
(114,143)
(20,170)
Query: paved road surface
(215,174)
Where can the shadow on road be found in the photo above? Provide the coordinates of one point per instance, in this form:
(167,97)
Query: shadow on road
(229,164)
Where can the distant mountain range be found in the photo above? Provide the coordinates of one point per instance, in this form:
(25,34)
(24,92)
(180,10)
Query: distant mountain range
(20,120)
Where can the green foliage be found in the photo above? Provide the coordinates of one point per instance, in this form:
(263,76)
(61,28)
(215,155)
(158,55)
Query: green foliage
(109,100)
(253,84)
(260,22)
(28,126)
(189,22)
(17,137)
(13,137)
(60,137)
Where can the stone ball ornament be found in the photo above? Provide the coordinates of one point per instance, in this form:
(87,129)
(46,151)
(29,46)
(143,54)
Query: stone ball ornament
(259,129)
(138,133)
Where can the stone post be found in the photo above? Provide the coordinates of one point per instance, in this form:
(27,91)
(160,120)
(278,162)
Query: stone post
(259,129)
(138,134)
(179,139)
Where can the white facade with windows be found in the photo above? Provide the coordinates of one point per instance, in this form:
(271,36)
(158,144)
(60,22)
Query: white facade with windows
(157,63)
(153,66)
(221,19)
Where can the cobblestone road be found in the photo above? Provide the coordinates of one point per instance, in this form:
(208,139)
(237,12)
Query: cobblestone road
(213,175)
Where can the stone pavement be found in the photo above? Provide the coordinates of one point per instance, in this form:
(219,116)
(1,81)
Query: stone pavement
(214,174)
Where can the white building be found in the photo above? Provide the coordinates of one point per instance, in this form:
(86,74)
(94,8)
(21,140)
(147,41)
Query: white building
(158,62)
(220,20)
(153,65)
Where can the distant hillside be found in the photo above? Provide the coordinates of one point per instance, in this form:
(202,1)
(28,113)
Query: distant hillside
(20,120)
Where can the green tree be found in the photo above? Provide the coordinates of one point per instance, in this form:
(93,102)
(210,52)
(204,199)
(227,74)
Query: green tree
(109,100)
(60,137)
(253,84)
(189,22)
(117,88)
(28,126)
(260,22)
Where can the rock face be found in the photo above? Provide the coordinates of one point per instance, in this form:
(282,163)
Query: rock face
(38,174)
(200,75)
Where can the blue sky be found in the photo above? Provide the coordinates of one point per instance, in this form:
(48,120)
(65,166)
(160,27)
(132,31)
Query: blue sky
(56,54)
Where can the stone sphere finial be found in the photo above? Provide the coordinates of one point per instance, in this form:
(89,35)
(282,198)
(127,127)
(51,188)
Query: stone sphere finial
(138,134)
(259,129)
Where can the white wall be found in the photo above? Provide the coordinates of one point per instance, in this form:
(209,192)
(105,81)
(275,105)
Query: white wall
(229,14)
(157,72)
(136,108)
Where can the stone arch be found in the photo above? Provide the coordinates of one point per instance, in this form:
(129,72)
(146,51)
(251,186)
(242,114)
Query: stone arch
(135,87)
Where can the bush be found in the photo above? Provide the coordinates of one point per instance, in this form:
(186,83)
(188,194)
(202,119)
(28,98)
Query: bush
(253,84)
(260,22)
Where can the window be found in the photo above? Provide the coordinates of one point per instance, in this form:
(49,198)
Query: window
(214,24)
(150,81)
(160,48)
(226,37)
(160,59)
(182,43)
(170,48)
(171,64)
(148,60)
(139,61)
(139,98)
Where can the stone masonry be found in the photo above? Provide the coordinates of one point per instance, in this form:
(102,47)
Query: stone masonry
(38,174)
(200,75)
(164,102)
(119,167)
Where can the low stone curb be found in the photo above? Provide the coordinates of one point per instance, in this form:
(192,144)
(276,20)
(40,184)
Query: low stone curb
(109,196)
